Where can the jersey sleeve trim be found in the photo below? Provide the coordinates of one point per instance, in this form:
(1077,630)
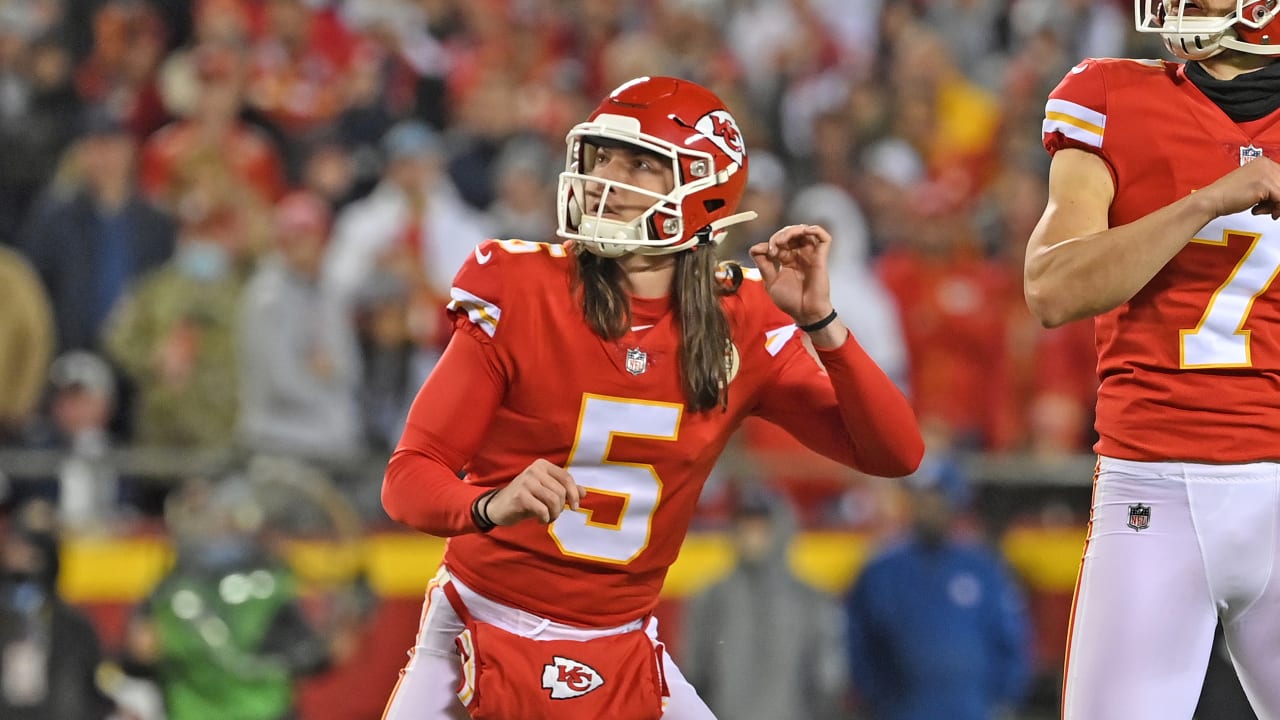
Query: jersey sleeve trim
(481,312)
(1074,121)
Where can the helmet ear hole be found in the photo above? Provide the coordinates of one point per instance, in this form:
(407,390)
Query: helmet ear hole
(713,204)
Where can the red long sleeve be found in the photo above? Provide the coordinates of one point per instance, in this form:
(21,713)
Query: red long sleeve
(866,423)
(446,425)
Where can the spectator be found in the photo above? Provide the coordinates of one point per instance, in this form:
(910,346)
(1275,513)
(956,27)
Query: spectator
(525,187)
(210,139)
(300,364)
(876,320)
(955,324)
(392,364)
(300,66)
(761,644)
(174,334)
(413,226)
(90,243)
(49,652)
(26,342)
(937,627)
(83,402)
(224,633)
(120,71)
(333,172)
(38,112)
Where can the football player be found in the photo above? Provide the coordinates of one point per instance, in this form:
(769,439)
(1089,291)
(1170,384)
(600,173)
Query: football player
(1161,224)
(590,386)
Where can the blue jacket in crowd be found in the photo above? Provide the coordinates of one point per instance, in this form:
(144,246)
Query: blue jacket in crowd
(937,632)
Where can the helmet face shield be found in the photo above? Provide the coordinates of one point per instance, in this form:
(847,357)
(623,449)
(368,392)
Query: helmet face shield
(679,123)
(1192,35)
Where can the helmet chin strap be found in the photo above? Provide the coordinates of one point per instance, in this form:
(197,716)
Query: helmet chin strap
(734,219)
(1230,42)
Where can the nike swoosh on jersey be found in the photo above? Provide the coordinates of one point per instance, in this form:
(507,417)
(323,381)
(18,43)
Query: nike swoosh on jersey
(483,257)
(638,328)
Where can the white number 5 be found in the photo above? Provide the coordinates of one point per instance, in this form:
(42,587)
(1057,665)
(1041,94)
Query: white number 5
(1221,340)
(616,518)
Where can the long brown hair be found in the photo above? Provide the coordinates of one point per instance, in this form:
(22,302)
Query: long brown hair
(704,329)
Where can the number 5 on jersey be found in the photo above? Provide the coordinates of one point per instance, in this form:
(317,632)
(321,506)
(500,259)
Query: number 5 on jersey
(617,512)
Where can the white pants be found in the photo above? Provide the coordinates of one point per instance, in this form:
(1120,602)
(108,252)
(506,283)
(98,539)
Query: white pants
(1148,599)
(427,685)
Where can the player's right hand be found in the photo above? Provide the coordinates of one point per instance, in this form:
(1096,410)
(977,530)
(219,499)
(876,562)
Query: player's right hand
(541,491)
(1254,186)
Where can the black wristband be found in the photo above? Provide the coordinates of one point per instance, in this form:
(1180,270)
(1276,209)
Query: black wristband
(480,512)
(816,326)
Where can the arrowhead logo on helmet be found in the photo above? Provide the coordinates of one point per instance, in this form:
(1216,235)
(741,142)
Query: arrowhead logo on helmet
(720,128)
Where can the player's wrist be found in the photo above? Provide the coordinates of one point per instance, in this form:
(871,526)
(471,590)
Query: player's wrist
(480,511)
(817,323)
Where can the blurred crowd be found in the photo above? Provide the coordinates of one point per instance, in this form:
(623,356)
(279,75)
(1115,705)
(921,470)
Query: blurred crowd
(232,223)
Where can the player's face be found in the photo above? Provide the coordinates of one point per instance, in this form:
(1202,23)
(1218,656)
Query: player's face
(629,166)
(1194,8)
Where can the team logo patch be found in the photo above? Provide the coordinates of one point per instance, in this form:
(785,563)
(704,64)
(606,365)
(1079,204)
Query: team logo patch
(567,678)
(1248,153)
(637,361)
(720,127)
(1139,516)
(732,362)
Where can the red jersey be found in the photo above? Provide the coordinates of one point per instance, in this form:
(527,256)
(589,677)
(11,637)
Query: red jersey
(1189,368)
(525,378)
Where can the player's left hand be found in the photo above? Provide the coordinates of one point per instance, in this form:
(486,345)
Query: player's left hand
(793,264)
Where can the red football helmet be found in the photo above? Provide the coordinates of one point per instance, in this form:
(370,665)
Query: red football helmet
(1250,28)
(677,120)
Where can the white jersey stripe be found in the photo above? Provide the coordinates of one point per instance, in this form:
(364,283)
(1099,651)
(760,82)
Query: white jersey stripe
(481,312)
(1087,116)
(1088,137)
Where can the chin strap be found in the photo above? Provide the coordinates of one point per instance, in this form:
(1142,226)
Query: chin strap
(714,233)
(735,219)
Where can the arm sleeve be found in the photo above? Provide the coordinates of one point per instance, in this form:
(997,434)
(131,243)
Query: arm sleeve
(445,427)
(851,413)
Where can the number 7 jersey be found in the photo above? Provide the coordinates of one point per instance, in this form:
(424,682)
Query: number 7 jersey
(1190,366)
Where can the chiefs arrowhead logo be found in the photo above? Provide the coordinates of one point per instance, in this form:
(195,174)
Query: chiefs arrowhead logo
(720,127)
(567,678)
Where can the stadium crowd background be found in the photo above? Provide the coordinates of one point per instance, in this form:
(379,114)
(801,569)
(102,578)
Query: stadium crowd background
(227,228)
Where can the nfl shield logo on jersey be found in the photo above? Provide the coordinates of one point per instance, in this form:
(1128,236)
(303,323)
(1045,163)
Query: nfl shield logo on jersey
(1248,153)
(1139,516)
(637,361)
